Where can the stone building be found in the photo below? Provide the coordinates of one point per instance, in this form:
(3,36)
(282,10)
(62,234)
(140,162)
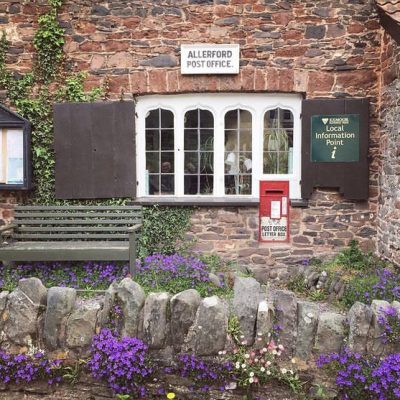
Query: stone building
(289,51)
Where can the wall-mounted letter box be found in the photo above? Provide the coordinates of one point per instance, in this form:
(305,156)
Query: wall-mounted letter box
(274,211)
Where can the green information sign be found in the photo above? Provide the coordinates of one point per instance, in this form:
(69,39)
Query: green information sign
(335,138)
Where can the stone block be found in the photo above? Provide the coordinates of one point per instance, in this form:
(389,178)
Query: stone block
(359,318)
(330,332)
(307,322)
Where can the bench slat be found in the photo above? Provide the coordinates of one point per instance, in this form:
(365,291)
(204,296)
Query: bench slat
(72,208)
(72,228)
(18,215)
(73,236)
(79,222)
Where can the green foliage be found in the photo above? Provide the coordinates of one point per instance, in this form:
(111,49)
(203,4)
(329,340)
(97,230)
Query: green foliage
(357,287)
(317,295)
(33,97)
(48,43)
(164,229)
(297,284)
(352,258)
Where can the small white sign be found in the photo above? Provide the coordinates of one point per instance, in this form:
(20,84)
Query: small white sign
(275,209)
(210,58)
(273,229)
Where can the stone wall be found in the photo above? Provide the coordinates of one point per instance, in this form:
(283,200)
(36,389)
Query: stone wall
(320,230)
(389,203)
(318,49)
(57,320)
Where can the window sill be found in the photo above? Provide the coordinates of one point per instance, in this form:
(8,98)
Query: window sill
(207,202)
(191,201)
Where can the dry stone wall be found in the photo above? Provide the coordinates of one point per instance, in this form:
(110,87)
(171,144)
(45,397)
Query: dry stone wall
(56,320)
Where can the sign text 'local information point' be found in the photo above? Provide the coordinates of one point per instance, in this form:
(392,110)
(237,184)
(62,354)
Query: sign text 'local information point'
(335,138)
(210,59)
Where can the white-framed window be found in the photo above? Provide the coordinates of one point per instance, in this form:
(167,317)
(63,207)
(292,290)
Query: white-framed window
(11,156)
(217,145)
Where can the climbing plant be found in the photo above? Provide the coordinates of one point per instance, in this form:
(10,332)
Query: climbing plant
(33,94)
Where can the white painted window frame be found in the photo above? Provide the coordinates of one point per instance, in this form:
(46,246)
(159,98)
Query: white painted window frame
(220,103)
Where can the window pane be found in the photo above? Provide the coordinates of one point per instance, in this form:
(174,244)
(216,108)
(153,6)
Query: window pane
(153,161)
(152,139)
(160,156)
(238,146)
(278,142)
(191,139)
(167,184)
(167,139)
(199,148)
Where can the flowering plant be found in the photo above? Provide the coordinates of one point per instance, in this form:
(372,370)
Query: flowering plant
(362,377)
(389,319)
(206,375)
(122,363)
(258,366)
(174,273)
(23,368)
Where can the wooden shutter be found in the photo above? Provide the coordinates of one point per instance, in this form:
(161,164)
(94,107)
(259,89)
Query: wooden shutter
(95,150)
(351,178)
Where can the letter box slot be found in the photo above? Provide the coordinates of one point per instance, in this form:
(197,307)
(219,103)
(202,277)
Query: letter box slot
(274,212)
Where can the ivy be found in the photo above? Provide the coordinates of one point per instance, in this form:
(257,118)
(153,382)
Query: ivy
(164,229)
(48,43)
(33,95)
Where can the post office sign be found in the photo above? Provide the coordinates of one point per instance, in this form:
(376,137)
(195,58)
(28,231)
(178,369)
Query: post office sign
(210,59)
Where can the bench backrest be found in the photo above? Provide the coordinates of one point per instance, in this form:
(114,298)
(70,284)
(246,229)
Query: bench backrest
(48,223)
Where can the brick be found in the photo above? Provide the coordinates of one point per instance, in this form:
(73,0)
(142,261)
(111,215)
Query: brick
(320,82)
(157,81)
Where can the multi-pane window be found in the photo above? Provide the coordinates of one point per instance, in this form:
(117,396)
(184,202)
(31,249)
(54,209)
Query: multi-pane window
(217,145)
(11,156)
(278,142)
(199,152)
(238,152)
(160,164)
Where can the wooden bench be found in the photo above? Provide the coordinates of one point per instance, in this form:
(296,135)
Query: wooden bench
(72,233)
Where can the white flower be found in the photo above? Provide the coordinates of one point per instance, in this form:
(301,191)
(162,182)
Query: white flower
(268,363)
(293,360)
(283,370)
(237,365)
(259,334)
(256,360)
(243,366)
(262,369)
(251,374)
(251,380)
(280,347)
(268,372)
(241,336)
(290,372)
(264,349)
(247,355)
(274,352)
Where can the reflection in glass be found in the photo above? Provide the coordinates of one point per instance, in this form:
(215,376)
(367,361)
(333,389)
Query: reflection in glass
(238,146)
(160,160)
(278,142)
(199,152)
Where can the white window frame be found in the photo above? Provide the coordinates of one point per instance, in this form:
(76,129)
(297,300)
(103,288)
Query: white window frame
(219,104)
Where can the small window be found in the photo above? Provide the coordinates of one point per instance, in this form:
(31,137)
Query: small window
(160,152)
(199,152)
(238,152)
(11,156)
(278,142)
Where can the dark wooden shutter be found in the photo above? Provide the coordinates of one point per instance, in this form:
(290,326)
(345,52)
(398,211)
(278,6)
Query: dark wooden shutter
(351,178)
(95,150)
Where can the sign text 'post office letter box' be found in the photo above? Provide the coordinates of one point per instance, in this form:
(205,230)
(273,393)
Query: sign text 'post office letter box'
(274,211)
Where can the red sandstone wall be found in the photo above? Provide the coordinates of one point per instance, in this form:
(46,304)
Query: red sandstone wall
(320,49)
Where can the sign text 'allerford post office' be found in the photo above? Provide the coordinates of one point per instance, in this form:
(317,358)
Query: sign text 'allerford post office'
(210,59)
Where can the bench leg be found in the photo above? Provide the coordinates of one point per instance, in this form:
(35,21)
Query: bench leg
(132,254)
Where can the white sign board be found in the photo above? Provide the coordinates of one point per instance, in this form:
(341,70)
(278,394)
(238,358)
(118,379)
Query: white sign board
(273,229)
(210,58)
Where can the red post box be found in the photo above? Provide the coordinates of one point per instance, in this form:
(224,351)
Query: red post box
(274,211)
